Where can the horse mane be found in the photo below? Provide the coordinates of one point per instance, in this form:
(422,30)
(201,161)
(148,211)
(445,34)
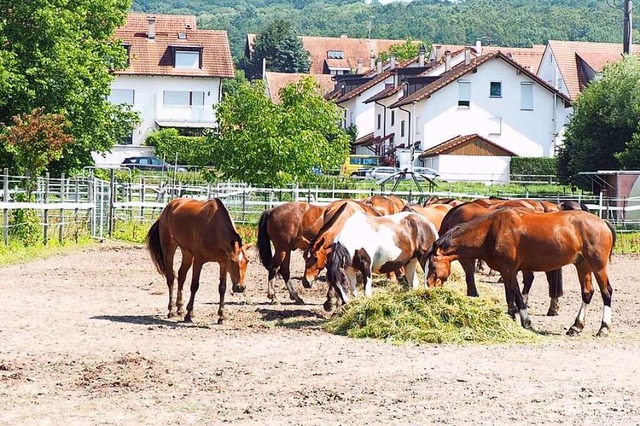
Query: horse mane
(222,209)
(328,224)
(340,260)
(493,197)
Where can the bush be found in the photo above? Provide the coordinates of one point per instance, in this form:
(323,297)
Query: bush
(191,150)
(534,166)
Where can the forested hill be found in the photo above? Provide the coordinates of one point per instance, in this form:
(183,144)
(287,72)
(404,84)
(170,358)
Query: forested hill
(502,22)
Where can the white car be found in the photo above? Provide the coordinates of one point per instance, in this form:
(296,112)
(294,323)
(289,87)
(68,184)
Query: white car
(381,172)
(422,172)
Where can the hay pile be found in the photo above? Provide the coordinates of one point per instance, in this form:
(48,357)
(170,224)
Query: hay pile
(441,315)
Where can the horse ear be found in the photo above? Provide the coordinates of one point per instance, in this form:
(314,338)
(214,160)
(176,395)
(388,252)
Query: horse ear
(304,240)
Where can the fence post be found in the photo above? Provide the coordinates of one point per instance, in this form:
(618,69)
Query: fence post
(112,200)
(143,191)
(62,197)
(244,203)
(5,198)
(46,209)
(93,211)
(75,212)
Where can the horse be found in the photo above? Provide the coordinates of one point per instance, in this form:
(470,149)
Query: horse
(572,205)
(437,200)
(385,205)
(434,212)
(370,244)
(204,232)
(288,227)
(510,240)
(474,209)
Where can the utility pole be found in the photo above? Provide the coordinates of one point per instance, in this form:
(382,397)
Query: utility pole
(627,39)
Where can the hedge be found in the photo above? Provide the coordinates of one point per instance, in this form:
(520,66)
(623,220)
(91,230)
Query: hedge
(534,166)
(191,150)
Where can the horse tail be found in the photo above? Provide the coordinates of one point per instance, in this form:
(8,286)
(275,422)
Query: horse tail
(338,262)
(264,242)
(613,234)
(155,247)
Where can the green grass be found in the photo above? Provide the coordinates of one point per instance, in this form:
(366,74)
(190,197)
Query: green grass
(627,243)
(136,232)
(441,315)
(16,252)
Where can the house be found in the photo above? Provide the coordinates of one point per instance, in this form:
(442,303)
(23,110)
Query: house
(528,57)
(336,55)
(492,102)
(571,65)
(173,78)
(274,81)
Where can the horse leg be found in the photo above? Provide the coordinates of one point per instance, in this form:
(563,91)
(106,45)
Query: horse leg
(187,260)
(276,261)
(527,280)
(195,284)
(285,271)
(467,265)
(331,299)
(410,273)
(515,297)
(222,289)
(353,279)
(555,291)
(606,291)
(584,275)
(169,252)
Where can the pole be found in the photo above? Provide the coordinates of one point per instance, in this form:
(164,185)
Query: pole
(5,198)
(46,210)
(62,198)
(627,36)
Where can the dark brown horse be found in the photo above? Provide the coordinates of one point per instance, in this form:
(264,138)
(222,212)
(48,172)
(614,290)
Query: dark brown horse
(204,232)
(481,207)
(510,240)
(288,227)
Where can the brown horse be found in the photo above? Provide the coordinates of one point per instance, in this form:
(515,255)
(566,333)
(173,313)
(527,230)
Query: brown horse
(288,227)
(437,200)
(385,205)
(510,240)
(205,232)
(434,212)
(475,209)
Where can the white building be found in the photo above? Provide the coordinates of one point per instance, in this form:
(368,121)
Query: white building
(173,78)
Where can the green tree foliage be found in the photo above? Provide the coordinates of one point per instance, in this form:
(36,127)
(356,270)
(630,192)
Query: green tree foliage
(59,56)
(230,85)
(402,51)
(36,140)
(604,130)
(263,143)
(191,150)
(281,49)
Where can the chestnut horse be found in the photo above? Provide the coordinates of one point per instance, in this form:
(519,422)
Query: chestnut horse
(289,227)
(434,212)
(474,209)
(205,232)
(510,240)
(370,244)
(385,205)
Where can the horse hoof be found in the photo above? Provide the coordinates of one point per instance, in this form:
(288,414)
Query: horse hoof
(172,315)
(604,331)
(299,301)
(327,305)
(527,325)
(220,321)
(552,313)
(573,331)
(188,318)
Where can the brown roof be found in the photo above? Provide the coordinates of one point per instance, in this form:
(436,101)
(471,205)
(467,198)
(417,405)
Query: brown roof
(566,53)
(457,143)
(155,57)
(388,91)
(460,70)
(364,87)
(365,140)
(528,57)
(277,80)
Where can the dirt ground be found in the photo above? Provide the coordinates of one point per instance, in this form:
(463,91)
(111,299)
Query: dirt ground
(86,340)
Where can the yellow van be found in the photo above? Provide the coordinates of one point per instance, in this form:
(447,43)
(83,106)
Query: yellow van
(356,162)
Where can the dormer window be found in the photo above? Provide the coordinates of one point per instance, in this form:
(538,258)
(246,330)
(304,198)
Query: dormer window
(335,54)
(190,58)
(182,36)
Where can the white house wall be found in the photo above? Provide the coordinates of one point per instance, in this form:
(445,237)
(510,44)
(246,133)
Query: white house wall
(526,133)
(550,72)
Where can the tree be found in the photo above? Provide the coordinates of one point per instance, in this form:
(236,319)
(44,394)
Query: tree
(35,140)
(262,143)
(402,51)
(60,56)
(604,130)
(281,48)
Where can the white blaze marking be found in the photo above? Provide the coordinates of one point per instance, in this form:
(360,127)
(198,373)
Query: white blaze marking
(582,313)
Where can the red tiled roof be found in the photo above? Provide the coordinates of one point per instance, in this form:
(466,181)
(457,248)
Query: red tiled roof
(460,70)
(155,57)
(528,57)
(277,80)
(457,141)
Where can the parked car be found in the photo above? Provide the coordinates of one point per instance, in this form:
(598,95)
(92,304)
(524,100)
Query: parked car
(421,172)
(149,163)
(381,172)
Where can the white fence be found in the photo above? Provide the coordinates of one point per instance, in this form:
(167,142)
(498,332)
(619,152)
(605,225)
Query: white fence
(99,206)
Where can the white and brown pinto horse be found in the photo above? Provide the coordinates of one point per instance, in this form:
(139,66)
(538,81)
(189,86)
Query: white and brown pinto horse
(510,240)
(369,244)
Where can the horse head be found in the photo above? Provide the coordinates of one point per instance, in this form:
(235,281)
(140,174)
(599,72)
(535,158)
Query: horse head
(237,265)
(339,261)
(315,259)
(439,267)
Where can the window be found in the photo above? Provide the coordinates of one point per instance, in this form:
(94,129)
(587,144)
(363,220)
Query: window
(178,98)
(393,117)
(464,93)
(335,54)
(379,120)
(402,129)
(187,59)
(495,89)
(526,96)
(495,125)
(127,140)
(121,96)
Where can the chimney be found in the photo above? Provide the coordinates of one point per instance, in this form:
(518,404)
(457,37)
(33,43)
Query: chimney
(421,56)
(438,53)
(392,61)
(447,61)
(378,66)
(359,66)
(467,55)
(479,47)
(152,27)
(372,62)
